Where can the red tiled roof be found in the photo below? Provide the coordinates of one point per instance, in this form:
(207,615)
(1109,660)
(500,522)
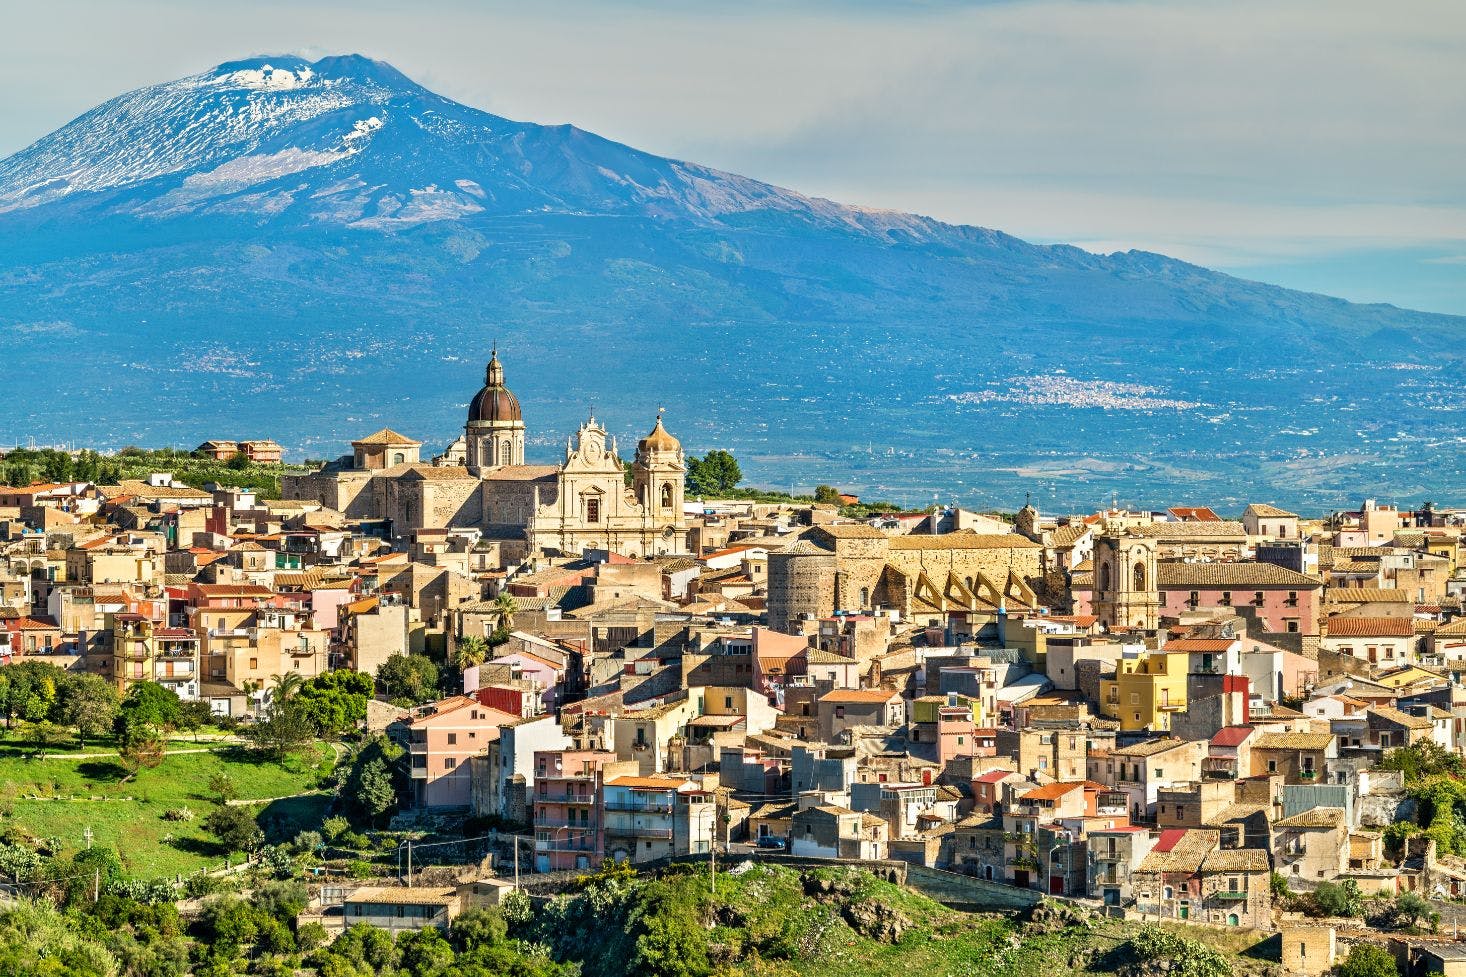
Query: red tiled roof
(1371,627)
(1199,644)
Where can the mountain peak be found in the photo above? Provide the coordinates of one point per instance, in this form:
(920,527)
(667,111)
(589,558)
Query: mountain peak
(288,72)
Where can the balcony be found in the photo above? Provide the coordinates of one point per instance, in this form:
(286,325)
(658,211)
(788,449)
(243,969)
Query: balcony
(555,824)
(632,831)
(1230,896)
(640,807)
(562,844)
(565,798)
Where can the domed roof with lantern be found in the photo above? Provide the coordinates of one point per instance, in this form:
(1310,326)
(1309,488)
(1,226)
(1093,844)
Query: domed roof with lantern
(659,441)
(494,403)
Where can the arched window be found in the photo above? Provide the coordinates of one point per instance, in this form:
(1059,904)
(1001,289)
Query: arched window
(1104,576)
(666,495)
(864,597)
(398,458)
(1139,576)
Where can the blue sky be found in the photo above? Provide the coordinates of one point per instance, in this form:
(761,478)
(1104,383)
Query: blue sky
(1319,144)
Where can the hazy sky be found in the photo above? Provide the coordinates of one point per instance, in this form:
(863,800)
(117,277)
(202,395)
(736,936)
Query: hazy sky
(1319,144)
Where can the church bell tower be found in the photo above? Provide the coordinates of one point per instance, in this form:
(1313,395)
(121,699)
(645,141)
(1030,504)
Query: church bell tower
(494,434)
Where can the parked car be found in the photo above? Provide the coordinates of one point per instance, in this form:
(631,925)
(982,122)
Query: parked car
(773,842)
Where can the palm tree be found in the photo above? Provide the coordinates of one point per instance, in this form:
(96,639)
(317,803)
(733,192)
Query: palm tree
(504,609)
(285,686)
(471,651)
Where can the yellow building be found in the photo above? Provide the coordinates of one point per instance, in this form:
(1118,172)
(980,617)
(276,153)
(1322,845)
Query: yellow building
(1146,691)
(144,651)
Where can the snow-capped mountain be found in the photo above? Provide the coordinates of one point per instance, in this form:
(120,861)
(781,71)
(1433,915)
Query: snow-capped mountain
(310,249)
(352,141)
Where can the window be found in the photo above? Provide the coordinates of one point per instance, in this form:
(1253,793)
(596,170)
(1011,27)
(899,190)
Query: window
(727,702)
(592,509)
(1272,766)
(450,762)
(1292,598)
(1257,599)
(254,663)
(666,495)
(452,739)
(1194,599)
(1226,598)
(1138,576)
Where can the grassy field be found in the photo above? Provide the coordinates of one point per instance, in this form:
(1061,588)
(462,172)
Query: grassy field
(63,795)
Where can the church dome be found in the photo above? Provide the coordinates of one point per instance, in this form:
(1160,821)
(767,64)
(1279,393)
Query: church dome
(659,439)
(494,403)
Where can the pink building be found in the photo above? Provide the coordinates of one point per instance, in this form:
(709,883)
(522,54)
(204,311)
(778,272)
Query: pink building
(546,675)
(1284,600)
(567,825)
(441,738)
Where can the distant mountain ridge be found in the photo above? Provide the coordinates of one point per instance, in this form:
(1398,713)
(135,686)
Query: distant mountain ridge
(301,249)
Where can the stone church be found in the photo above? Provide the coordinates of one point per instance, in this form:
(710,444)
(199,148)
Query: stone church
(481,482)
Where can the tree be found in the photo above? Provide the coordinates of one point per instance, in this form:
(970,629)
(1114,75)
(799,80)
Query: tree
(238,462)
(1368,960)
(375,794)
(827,495)
(28,691)
(1409,909)
(1339,898)
(504,609)
(425,952)
(284,687)
(335,702)
(369,789)
(235,827)
(715,472)
(46,736)
(193,716)
(470,650)
(142,747)
(409,679)
(286,729)
(149,704)
(88,704)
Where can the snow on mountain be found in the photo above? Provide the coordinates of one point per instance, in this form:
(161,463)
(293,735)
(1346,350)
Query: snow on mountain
(381,151)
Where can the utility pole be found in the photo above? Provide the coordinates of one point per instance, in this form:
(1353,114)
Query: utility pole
(409,861)
(516,861)
(96,884)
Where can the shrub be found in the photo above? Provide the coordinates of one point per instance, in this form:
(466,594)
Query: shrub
(1368,960)
(1339,898)
(178,814)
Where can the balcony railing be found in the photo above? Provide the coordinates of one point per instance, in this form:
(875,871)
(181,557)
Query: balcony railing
(631,831)
(565,798)
(640,807)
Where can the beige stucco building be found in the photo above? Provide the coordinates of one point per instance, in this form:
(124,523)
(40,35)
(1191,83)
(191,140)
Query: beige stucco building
(481,482)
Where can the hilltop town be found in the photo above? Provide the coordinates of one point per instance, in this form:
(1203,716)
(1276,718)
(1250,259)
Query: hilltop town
(1249,720)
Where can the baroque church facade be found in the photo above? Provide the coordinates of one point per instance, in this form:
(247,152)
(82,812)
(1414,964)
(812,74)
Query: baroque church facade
(481,482)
